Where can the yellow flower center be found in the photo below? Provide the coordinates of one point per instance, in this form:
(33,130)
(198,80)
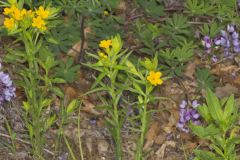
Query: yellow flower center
(105,44)
(155,78)
(42,12)
(9,23)
(39,23)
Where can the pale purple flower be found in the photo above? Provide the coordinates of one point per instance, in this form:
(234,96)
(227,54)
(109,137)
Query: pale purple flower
(183,104)
(186,115)
(230,28)
(7,90)
(195,104)
(218,41)
(207,42)
(235,35)
(224,34)
(214,58)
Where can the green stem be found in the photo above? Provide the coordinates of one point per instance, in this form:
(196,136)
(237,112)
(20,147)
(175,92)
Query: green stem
(117,128)
(139,155)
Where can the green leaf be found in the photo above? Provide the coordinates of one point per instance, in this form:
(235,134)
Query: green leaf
(206,155)
(57,91)
(73,104)
(207,132)
(214,106)
(26,106)
(229,108)
(50,121)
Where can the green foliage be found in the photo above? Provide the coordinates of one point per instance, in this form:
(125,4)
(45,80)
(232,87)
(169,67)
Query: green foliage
(68,70)
(199,7)
(224,11)
(221,117)
(174,60)
(64,36)
(211,29)
(147,34)
(104,27)
(177,29)
(205,79)
(109,68)
(151,7)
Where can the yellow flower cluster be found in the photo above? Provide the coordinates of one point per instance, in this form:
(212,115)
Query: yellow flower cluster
(16,15)
(105,44)
(155,78)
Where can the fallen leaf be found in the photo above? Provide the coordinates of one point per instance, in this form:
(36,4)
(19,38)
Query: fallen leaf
(226,90)
(102,146)
(89,107)
(190,69)
(161,151)
(151,135)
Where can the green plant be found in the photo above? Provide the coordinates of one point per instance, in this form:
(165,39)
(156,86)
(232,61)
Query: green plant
(67,71)
(176,29)
(110,62)
(174,60)
(144,79)
(147,34)
(199,8)
(221,125)
(151,7)
(211,29)
(34,71)
(205,79)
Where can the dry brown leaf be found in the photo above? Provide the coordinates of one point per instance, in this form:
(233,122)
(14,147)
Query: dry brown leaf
(226,90)
(151,134)
(190,69)
(102,146)
(75,50)
(221,69)
(161,151)
(89,107)
(237,81)
(70,92)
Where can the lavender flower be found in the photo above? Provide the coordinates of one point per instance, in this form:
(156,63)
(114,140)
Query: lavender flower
(214,58)
(207,42)
(186,115)
(7,90)
(230,28)
(195,104)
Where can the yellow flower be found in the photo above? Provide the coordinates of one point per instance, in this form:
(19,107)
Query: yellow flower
(9,23)
(102,55)
(19,14)
(39,23)
(105,44)
(155,78)
(8,11)
(42,12)
(30,13)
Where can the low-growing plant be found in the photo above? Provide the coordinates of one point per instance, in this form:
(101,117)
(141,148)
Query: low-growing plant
(199,8)
(147,33)
(220,128)
(176,29)
(205,79)
(110,62)
(174,60)
(67,71)
(151,7)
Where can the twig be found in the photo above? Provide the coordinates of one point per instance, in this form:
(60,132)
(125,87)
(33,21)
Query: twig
(82,39)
